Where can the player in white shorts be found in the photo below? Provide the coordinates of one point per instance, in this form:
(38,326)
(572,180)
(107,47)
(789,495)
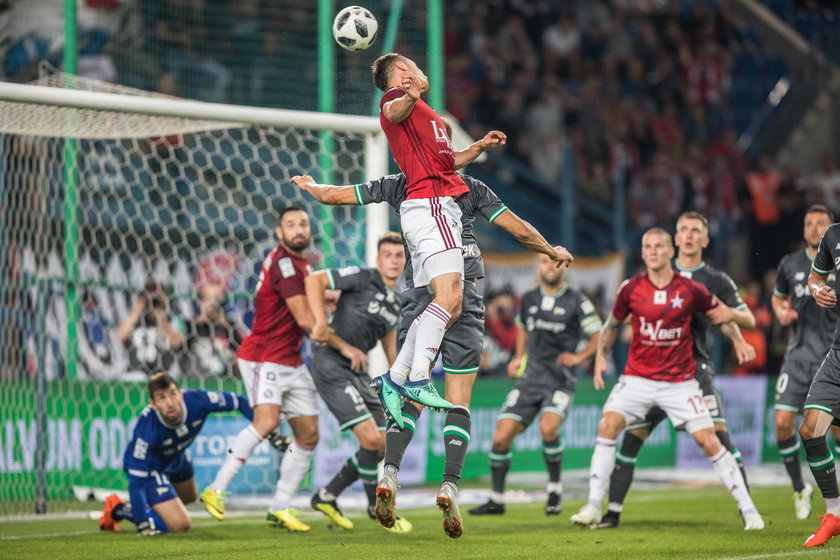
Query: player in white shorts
(659,372)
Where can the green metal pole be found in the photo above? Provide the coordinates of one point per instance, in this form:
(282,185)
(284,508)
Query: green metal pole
(434,32)
(326,103)
(388,45)
(71,222)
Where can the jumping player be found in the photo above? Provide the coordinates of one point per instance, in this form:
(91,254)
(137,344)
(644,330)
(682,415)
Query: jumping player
(660,372)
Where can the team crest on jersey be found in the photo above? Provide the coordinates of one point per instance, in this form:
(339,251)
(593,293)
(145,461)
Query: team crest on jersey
(660,297)
(532,309)
(677,302)
(559,311)
(182,430)
(287,269)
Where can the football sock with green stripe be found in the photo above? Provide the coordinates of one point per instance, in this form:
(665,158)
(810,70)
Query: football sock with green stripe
(553,456)
(789,450)
(822,466)
(456,439)
(622,475)
(499,467)
(397,440)
(726,441)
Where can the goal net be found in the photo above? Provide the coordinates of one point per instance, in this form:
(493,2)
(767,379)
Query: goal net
(108,193)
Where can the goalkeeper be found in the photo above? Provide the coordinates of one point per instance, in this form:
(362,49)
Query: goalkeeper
(157,462)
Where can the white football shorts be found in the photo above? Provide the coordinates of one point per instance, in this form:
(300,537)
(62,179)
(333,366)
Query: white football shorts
(289,387)
(432,230)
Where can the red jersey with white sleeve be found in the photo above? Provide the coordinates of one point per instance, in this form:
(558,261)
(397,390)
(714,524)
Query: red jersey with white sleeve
(661,347)
(275,336)
(422,150)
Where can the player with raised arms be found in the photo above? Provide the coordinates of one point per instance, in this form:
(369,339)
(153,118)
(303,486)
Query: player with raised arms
(553,320)
(157,461)
(691,238)
(367,312)
(461,344)
(660,372)
(822,404)
(810,329)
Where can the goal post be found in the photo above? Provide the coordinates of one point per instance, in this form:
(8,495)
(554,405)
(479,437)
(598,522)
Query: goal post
(104,188)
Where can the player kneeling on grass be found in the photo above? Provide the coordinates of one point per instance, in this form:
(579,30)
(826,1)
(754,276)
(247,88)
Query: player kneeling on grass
(157,462)
(554,319)
(660,372)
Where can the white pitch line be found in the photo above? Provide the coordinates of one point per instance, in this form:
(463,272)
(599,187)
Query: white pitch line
(788,554)
(77,533)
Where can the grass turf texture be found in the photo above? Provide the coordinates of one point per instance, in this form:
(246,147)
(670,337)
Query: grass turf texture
(670,524)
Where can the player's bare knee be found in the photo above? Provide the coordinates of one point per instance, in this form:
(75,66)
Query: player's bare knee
(265,425)
(181,525)
(610,426)
(708,441)
(784,426)
(371,440)
(807,431)
(502,441)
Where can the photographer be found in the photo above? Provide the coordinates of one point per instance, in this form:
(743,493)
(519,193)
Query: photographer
(147,333)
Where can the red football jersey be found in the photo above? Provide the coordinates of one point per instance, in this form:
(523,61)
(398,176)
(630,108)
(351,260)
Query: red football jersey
(422,150)
(661,347)
(275,336)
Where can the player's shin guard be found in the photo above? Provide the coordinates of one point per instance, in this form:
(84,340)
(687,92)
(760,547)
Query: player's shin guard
(824,470)
(456,439)
(294,467)
(730,475)
(726,441)
(625,467)
(499,467)
(243,445)
(553,457)
(789,451)
(397,440)
(603,461)
(430,331)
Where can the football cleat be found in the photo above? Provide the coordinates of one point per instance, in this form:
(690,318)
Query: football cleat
(446,503)
(401,524)
(554,505)
(609,520)
(214,502)
(588,516)
(753,521)
(286,518)
(386,500)
(331,510)
(829,527)
(424,392)
(802,502)
(106,522)
(489,508)
(279,441)
(389,397)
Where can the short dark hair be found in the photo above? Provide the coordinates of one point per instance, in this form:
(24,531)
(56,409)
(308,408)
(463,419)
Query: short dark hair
(692,215)
(390,237)
(820,209)
(286,210)
(381,69)
(160,381)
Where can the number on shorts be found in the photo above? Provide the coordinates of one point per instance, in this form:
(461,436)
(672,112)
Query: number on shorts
(782,383)
(161,478)
(511,399)
(697,404)
(354,395)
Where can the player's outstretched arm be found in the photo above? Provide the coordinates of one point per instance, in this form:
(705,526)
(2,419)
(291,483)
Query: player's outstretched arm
(606,341)
(491,140)
(333,195)
(572,359)
(316,286)
(820,290)
(532,239)
(743,350)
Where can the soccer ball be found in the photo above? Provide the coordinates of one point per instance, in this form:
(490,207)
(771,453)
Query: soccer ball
(355,28)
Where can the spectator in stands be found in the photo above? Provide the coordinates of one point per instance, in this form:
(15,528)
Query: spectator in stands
(211,340)
(823,187)
(148,334)
(763,184)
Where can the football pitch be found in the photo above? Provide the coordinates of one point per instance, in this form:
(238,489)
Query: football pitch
(670,524)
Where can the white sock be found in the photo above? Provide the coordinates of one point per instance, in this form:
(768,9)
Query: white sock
(497,497)
(615,507)
(294,467)
(600,469)
(243,445)
(832,506)
(430,331)
(730,475)
(402,366)
(556,487)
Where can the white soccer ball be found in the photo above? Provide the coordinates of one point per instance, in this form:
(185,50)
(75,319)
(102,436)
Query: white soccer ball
(355,28)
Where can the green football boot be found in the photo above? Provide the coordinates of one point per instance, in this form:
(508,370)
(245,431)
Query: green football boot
(424,392)
(389,397)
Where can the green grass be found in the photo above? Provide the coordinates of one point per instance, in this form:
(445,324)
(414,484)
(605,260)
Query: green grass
(670,524)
